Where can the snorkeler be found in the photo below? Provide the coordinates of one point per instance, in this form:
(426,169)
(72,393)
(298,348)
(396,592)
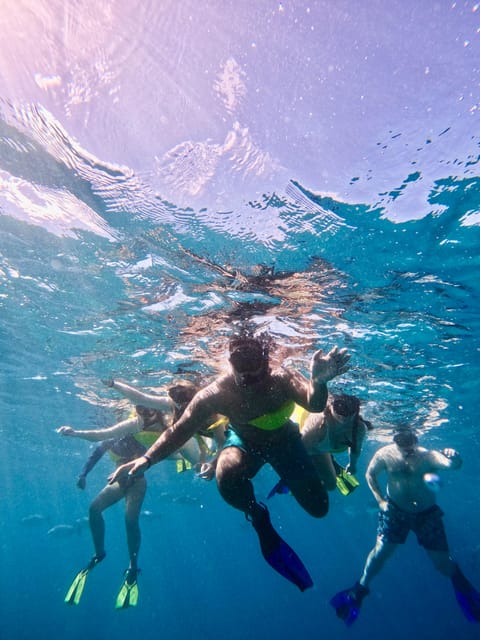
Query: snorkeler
(210,436)
(258,402)
(125,441)
(338,428)
(408,504)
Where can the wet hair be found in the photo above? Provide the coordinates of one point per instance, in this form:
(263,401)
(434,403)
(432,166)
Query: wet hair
(344,405)
(260,343)
(150,416)
(405,438)
(182,392)
(145,412)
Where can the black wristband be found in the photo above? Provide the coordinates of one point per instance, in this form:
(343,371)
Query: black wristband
(148,459)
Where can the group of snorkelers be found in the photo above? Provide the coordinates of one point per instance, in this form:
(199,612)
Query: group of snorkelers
(256,414)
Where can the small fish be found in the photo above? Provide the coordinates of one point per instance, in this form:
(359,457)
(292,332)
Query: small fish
(34,519)
(63,530)
(186,500)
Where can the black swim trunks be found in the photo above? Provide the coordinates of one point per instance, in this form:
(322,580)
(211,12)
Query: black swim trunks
(395,523)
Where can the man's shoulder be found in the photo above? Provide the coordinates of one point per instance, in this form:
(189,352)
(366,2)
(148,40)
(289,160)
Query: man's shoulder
(385,452)
(282,374)
(221,385)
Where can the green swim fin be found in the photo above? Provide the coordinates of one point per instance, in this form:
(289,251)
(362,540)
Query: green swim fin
(128,594)
(346,482)
(76,588)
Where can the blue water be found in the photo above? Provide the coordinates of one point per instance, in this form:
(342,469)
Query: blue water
(169,170)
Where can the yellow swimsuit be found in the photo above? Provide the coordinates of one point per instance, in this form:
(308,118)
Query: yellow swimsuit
(275,419)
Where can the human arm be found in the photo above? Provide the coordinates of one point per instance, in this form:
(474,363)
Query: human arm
(377,465)
(171,439)
(95,456)
(354,451)
(314,430)
(124,428)
(446,459)
(324,368)
(136,396)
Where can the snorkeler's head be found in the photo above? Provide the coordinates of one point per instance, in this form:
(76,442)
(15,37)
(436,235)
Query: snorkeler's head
(146,412)
(406,439)
(182,392)
(344,405)
(249,356)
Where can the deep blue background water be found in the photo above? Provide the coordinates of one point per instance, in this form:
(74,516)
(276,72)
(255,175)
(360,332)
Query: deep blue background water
(154,158)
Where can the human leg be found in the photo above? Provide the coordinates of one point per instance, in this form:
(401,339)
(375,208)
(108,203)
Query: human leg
(376,559)
(235,468)
(393,527)
(108,496)
(325,469)
(347,603)
(431,535)
(134,497)
(295,467)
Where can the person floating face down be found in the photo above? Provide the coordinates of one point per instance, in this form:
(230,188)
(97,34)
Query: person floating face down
(258,402)
(407,503)
(125,441)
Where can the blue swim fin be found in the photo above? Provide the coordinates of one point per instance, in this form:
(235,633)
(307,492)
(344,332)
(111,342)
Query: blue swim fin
(347,603)
(280,487)
(279,555)
(467,596)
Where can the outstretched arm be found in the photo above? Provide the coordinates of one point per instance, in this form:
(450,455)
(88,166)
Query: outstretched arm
(171,439)
(135,395)
(124,428)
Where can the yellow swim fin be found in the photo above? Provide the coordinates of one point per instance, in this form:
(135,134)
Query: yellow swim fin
(346,482)
(183,465)
(75,591)
(76,588)
(128,594)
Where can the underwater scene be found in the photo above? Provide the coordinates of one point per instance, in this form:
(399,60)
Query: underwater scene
(298,175)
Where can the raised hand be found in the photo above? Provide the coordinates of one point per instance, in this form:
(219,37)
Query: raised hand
(326,367)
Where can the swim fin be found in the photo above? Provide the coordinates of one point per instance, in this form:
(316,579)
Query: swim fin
(75,591)
(346,482)
(279,555)
(467,596)
(128,594)
(280,487)
(347,603)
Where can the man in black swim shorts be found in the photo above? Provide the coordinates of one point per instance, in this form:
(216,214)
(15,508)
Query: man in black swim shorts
(408,503)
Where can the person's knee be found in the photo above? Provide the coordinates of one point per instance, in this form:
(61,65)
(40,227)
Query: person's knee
(317,506)
(442,562)
(132,521)
(330,484)
(94,510)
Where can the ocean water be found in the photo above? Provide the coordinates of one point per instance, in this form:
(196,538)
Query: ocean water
(170,170)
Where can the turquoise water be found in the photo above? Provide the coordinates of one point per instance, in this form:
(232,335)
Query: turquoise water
(140,221)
